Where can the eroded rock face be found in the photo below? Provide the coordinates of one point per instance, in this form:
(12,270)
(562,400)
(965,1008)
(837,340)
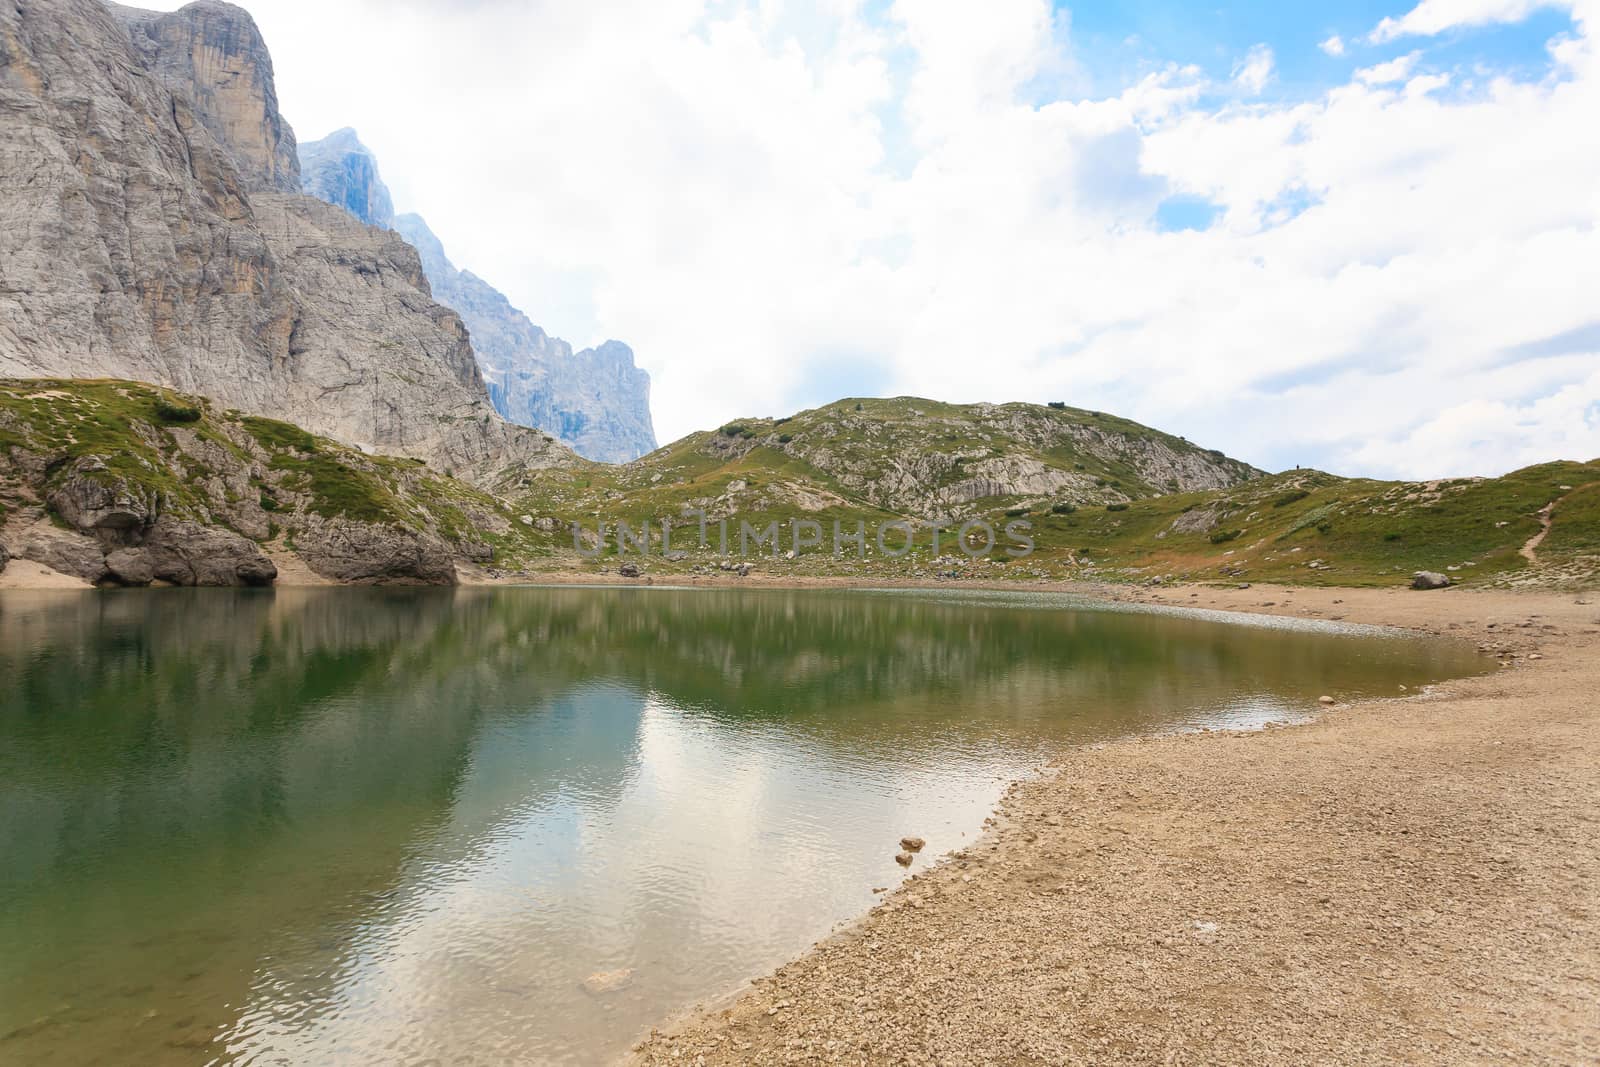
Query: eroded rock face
(5,557)
(213,53)
(100,504)
(596,401)
(186,553)
(65,551)
(366,554)
(131,566)
(147,233)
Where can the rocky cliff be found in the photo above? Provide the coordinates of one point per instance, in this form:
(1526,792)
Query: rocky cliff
(596,401)
(145,233)
(212,53)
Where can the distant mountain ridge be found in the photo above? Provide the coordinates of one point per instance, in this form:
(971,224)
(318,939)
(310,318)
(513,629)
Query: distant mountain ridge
(596,401)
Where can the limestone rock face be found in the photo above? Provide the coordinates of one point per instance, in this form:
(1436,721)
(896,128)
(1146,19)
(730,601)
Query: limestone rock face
(595,401)
(186,553)
(143,235)
(108,508)
(189,554)
(213,53)
(365,554)
(64,551)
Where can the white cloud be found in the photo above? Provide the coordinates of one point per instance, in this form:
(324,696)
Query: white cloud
(1433,17)
(1333,46)
(1395,70)
(784,203)
(1254,72)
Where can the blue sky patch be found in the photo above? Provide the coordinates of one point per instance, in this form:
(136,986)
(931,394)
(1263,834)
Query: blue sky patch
(1178,213)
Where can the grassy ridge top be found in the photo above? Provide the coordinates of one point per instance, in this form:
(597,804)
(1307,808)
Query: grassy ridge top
(901,457)
(1107,498)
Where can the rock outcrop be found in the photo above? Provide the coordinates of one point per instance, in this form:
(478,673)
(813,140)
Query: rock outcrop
(369,554)
(596,401)
(147,231)
(64,551)
(188,553)
(119,482)
(928,460)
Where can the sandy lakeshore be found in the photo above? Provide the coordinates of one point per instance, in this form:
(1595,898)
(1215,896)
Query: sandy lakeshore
(1405,881)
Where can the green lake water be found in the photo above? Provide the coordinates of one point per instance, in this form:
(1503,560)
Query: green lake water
(380,826)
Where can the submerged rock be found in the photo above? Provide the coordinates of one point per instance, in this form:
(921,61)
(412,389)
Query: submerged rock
(602,982)
(912,844)
(903,859)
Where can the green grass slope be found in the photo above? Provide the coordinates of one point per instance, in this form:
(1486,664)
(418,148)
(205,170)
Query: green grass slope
(902,457)
(1105,498)
(1098,492)
(258,477)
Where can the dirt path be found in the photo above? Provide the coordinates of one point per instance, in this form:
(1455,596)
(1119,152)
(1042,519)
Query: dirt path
(1530,550)
(1409,881)
(1547,518)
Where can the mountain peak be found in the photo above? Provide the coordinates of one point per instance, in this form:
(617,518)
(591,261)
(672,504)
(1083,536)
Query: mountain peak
(212,55)
(342,171)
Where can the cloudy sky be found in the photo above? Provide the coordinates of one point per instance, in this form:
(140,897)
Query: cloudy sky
(1358,235)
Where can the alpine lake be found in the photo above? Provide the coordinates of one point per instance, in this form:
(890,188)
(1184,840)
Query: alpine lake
(524,824)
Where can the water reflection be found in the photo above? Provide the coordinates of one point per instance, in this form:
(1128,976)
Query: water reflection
(374,826)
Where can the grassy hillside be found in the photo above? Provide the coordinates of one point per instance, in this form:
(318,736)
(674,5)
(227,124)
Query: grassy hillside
(900,457)
(1308,527)
(173,457)
(1097,491)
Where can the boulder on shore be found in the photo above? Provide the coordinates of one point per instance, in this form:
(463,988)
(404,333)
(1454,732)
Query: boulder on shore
(367,553)
(1430,580)
(65,552)
(187,553)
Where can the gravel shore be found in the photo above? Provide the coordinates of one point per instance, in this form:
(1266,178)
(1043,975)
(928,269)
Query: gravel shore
(1414,880)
